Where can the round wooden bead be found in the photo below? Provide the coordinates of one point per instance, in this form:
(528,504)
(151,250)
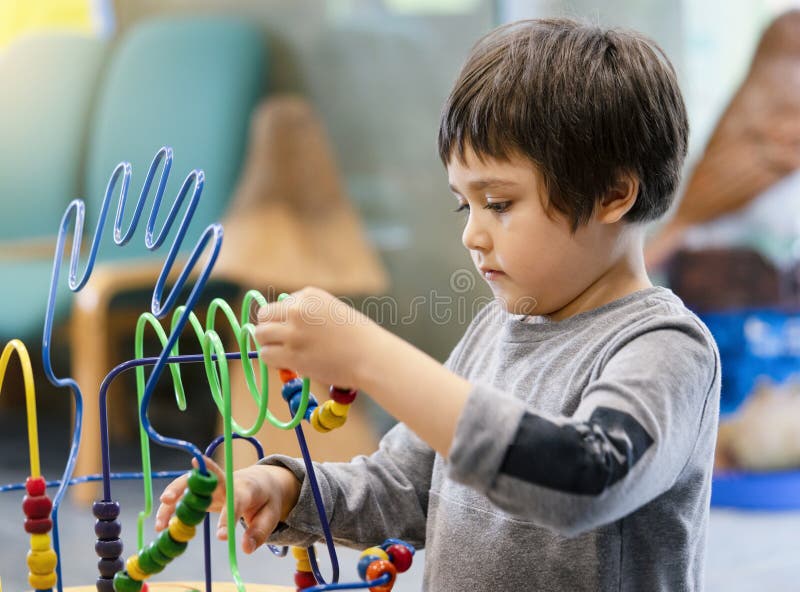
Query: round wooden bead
(202,484)
(179,531)
(287,375)
(378,568)
(339,409)
(343,395)
(42,562)
(303,565)
(197,502)
(156,555)
(304,579)
(133,569)
(38,525)
(147,564)
(169,546)
(189,515)
(104,584)
(124,583)
(108,567)
(300,553)
(363,564)
(105,510)
(107,529)
(377,551)
(291,388)
(315,423)
(400,557)
(329,419)
(38,506)
(40,542)
(108,549)
(35,486)
(42,581)
(389,542)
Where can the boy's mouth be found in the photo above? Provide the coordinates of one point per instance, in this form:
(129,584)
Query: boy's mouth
(490,274)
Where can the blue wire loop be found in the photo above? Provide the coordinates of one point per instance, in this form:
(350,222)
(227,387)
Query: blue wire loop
(74,217)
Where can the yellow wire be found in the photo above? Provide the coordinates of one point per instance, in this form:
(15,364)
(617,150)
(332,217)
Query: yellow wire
(30,396)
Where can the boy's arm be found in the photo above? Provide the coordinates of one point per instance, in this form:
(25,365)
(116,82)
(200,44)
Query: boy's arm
(634,433)
(367,500)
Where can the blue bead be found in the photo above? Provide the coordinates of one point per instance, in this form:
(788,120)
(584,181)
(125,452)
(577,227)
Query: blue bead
(290,388)
(294,404)
(363,564)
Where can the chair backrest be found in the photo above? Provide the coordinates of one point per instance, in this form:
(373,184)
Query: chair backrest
(186,83)
(47,82)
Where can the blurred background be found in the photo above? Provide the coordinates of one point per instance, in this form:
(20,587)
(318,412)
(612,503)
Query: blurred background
(315,124)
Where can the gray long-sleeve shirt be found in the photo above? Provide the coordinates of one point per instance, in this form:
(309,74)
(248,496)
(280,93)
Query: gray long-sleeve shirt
(582,460)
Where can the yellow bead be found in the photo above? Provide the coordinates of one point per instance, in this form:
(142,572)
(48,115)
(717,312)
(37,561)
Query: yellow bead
(40,542)
(377,551)
(338,409)
(303,565)
(328,419)
(42,582)
(42,562)
(133,569)
(300,553)
(315,423)
(183,533)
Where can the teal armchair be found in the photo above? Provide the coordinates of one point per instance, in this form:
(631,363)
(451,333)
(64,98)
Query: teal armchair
(48,82)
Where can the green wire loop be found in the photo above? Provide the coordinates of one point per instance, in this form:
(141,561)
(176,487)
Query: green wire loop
(220,387)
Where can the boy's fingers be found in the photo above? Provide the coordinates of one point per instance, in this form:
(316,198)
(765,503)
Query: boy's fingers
(274,311)
(169,499)
(259,527)
(272,333)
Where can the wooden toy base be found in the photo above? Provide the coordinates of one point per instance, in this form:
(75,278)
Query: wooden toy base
(189,586)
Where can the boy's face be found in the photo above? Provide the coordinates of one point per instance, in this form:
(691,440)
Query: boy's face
(527,255)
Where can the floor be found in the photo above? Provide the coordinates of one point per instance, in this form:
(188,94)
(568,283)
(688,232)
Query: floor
(746,551)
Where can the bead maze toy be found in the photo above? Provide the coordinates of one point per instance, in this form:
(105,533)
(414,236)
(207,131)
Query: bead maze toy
(378,566)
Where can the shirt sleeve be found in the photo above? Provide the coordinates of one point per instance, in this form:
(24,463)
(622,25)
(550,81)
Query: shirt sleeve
(627,442)
(368,499)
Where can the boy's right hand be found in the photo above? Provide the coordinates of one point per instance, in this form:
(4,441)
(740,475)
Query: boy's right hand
(264,495)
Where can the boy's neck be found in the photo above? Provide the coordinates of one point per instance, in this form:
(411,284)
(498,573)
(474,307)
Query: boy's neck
(625,275)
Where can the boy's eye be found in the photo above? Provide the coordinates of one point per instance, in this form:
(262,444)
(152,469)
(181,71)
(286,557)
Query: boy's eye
(462,207)
(498,206)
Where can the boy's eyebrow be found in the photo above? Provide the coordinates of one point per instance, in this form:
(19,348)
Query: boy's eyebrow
(478,184)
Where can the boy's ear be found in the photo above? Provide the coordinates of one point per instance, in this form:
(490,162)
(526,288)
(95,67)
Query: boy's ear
(619,199)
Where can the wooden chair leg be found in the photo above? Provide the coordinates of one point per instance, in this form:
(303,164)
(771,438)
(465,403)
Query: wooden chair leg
(90,363)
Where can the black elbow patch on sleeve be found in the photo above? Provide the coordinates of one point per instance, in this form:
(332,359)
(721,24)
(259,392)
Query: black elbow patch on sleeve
(582,458)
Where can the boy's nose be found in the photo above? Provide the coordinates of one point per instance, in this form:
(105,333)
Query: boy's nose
(475,237)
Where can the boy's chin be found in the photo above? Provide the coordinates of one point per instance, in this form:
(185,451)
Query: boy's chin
(519,305)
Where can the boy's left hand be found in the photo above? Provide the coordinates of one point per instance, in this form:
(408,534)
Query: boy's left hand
(316,335)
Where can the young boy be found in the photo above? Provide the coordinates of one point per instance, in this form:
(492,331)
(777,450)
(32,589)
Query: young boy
(567,442)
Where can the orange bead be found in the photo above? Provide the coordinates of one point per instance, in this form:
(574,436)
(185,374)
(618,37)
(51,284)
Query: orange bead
(287,375)
(378,568)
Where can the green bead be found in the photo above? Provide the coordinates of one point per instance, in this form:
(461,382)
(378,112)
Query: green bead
(169,546)
(189,515)
(156,555)
(124,583)
(202,484)
(147,564)
(197,502)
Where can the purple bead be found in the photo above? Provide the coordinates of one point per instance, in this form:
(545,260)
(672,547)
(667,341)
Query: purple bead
(108,549)
(105,510)
(107,530)
(108,567)
(105,585)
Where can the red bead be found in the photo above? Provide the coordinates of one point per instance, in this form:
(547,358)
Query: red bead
(342,395)
(38,525)
(378,568)
(304,579)
(35,486)
(287,375)
(36,506)
(400,557)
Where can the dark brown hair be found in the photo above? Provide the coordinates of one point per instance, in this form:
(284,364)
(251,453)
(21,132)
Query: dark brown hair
(582,103)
